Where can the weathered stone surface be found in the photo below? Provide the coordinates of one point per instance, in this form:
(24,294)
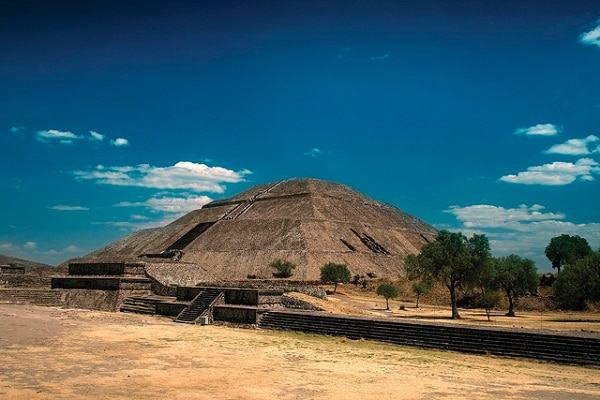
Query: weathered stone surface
(309,222)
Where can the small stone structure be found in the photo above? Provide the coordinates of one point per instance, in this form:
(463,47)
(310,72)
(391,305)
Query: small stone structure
(117,286)
(9,269)
(103,285)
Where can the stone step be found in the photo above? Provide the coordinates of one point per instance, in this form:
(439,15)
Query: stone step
(143,304)
(551,347)
(33,296)
(199,306)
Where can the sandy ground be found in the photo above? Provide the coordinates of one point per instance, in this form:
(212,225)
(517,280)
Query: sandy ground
(54,353)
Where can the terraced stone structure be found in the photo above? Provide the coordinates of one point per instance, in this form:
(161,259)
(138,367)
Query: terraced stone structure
(309,222)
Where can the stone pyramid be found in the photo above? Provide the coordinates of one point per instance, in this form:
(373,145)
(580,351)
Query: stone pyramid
(309,222)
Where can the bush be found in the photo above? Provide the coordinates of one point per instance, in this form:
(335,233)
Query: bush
(487,301)
(359,280)
(283,268)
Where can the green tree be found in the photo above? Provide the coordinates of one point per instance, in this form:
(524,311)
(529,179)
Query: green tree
(516,277)
(488,300)
(578,283)
(420,288)
(566,249)
(388,291)
(479,247)
(335,273)
(451,259)
(283,269)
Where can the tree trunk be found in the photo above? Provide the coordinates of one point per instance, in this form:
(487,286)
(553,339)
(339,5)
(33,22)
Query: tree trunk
(417,306)
(511,307)
(387,303)
(452,289)
(334,287)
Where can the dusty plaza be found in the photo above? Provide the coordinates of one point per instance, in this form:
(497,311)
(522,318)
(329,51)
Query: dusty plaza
(56,353)
(142,318)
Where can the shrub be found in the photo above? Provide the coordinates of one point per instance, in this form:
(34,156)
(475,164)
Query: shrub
(283,268)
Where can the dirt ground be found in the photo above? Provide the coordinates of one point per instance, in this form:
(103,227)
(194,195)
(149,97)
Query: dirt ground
(348,301)
(54,353)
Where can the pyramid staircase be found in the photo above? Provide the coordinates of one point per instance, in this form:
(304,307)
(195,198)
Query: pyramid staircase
(201,305)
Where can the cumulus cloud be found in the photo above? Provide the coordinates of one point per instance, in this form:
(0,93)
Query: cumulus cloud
(137,222)
(68,208)
(184,175)
(119,142)
(170,204)
(30,245)
(30,250)
(539,130)
(556,173)
(67,137)
(64,137)
(380,58)
(313,152)
(489,216)
(71,249)
(575,147)
(96,136)
(592,37)
(524,230)
(138,217)
(6,247)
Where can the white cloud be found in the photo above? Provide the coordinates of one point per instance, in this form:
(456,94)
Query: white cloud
(30,245)
(68,208)
(30,251)
(525,230)
(556,173)
(96,136)
(313,152)
(7,247)
(64,137)
(138,222)
(71,249)
(169,204)
(574,147)
(15,129)
(184,175)
(484,215)
(380,58)
(138,217)
(592,37)
(119,142)
(539,130)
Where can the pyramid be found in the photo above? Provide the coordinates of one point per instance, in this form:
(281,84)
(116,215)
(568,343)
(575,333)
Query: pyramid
(309,222)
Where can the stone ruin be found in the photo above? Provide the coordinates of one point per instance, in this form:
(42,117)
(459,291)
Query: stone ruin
(213,263)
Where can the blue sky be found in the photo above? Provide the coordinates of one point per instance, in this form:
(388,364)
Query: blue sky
(478,116)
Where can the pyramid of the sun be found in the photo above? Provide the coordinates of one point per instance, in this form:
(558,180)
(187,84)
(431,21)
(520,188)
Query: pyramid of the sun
(309,222)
